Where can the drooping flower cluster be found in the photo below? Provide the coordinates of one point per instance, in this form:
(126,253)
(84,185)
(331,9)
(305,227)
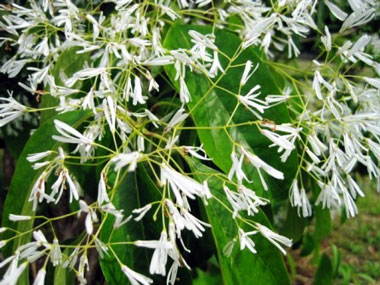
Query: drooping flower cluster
(116,80)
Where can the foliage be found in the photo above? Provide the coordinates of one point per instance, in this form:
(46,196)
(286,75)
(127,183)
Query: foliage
(179,135)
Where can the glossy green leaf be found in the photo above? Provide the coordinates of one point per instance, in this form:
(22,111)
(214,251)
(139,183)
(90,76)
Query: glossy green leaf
(24,178)
(205,278)
(294,224)
(322,222)
(125,196)
(243,267)
(212,104)
(15,143)
(309,245)
(151,192)
(66,275)
(336,260)
(324,272)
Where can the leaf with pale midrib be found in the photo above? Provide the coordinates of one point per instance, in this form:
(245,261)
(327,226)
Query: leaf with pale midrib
(211,106)
(243,267)
(25,177)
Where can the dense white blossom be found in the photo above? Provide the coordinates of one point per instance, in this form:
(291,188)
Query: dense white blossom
(137,123)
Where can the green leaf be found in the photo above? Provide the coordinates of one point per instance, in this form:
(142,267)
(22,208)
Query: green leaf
(322,223)
(205,278)
(150,193)
(63,275)
(212,104)
(309,244)
(336,260)
(15,143)
(68,62)
(24,178)
(243,267)
(294,225)
(324,271)
(66,275)
(126,197)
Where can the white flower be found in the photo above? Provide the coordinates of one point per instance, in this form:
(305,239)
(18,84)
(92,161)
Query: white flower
(193,224)
(193,150)
(180,183)
(124,159)
(292,48)
(10,110)
(184,94)
(229,247)
(281,141)
(134,277)
(215,65)
(55,254)
(60,184)
(359,5)
(358,18)
(354,187)
(294,194)
(13,273)
(305,205)
(312,155)
(177,262)
(236,168)
(33,157)
(101,247)
(244,199)
(206,40)
(161,60)
(259,27)
(141,211)
(137,92)
(83,263)
(326,40)
(38,191)
(90,218)
(160,254)
(246,73)
(351,208)
(69,134)
(274,238)
(95,26)
(375,82)
(88,101)
(178,118)
(317,146)
(155,121)
(17,218)
(40,238)
(336,11)
(109,108)
(88,73)
(328,196)
(43,47)
(277,99)
(102,190)
(259,163)
(177,219)
(245,241)
(202,3)
(252,103)
(40,278)
(141,43)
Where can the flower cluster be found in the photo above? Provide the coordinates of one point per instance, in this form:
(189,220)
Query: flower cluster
(117,78)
